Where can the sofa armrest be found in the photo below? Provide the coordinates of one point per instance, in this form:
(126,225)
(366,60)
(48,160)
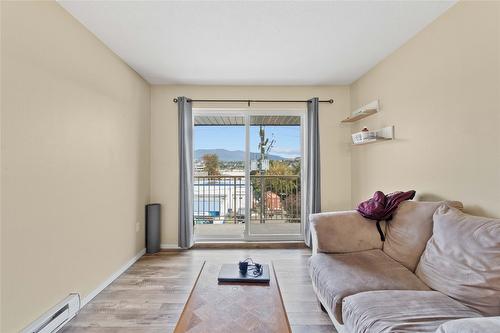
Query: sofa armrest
(341,232)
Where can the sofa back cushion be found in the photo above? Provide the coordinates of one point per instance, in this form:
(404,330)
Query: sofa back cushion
(410,229)
(343,232)
(462,259)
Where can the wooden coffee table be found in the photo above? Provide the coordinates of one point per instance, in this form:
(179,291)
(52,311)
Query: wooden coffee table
(233,307)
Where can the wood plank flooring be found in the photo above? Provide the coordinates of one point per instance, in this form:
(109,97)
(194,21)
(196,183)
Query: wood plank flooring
(150,295)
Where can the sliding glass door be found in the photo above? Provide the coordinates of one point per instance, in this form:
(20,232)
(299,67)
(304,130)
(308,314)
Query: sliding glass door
(248,175)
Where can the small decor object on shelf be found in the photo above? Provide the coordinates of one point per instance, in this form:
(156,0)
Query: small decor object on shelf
(364,136)
(367,136)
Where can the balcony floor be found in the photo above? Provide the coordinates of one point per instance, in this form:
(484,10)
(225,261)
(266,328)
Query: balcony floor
(230,230)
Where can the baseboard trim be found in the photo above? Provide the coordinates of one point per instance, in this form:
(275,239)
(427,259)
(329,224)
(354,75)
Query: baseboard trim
(170,247)
(238,245)
(113,277)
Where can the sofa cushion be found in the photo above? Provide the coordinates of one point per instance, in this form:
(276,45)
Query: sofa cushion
(343,232)
(409,230)
(462,259)
(471,325)
(401,311)
(336,276)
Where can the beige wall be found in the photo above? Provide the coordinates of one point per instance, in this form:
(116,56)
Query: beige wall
(79,159)
(334,142)
(441,91)
(75,160)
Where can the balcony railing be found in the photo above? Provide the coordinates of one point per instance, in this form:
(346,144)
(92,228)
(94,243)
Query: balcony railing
(222,199)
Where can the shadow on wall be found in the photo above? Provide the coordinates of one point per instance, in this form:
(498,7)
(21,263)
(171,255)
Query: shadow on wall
(432,197)
(473,210)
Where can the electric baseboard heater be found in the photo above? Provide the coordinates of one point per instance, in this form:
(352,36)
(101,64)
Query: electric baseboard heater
(54,319)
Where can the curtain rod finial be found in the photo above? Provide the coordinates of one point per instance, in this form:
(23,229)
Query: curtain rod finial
(330,101)
(175,100)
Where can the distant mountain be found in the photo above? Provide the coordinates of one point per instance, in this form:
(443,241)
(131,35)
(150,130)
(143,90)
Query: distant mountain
(232,155)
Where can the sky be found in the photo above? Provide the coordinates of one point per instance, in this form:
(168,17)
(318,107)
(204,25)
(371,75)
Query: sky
(287,139)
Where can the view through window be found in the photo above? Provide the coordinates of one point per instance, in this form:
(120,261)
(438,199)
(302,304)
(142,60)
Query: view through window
(241,195)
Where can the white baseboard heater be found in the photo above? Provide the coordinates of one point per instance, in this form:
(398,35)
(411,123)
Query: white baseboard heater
(54,319)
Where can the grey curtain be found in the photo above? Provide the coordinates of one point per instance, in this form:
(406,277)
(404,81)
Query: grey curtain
(185,172)
(313,181)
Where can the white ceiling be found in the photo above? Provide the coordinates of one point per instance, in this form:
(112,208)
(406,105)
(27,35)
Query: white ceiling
(254,42)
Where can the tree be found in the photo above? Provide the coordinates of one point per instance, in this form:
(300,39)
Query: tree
(280,168)
(283,185)
(287,187)
(211,164)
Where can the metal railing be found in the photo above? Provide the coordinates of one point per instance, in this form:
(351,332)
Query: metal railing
(222,199)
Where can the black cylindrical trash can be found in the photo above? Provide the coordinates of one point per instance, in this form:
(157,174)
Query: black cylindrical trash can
(153,230)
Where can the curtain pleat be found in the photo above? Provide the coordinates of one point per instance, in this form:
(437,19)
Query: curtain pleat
(313,175)
(185,172)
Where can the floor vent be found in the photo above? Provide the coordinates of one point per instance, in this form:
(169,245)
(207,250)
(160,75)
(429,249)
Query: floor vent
(55,318)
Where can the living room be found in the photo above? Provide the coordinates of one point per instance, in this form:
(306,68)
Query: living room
(250,166)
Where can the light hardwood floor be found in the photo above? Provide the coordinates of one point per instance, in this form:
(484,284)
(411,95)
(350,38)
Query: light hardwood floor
(149,297)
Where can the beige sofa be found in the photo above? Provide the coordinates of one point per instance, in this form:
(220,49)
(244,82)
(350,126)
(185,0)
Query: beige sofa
(437,271)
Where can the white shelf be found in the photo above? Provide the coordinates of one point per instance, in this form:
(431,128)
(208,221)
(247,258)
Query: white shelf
(363,112)
(370,142)
(383,134)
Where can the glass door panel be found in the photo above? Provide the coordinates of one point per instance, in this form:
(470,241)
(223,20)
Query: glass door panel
(276,154)
(219,176)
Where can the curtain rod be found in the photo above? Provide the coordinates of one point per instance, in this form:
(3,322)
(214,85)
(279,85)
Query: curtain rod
(330,101)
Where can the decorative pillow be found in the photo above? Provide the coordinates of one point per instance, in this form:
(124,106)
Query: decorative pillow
(462,259)
(409,230)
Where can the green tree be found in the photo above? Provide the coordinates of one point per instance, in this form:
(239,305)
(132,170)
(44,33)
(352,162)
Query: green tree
(282,185)
(287,186)
(211,164)
(280,168)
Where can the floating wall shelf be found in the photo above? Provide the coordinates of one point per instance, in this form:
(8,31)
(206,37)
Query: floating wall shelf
(359,116)
(363,112)
(363,138)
